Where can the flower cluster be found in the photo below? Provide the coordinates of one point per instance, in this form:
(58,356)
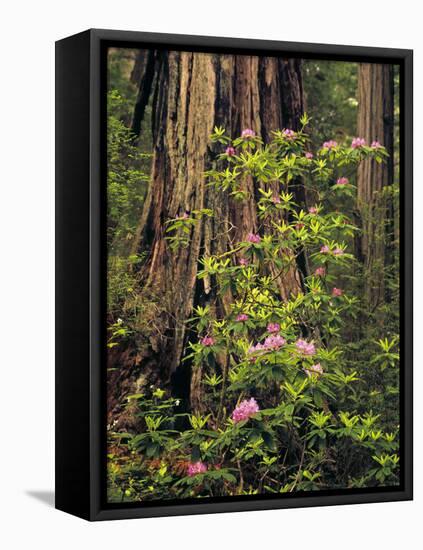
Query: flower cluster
(273,327)
(248,133)
(274,342)
(257,348)
(375,145)
(253,238)
(195,468)
(305,348)
(314,369)
(325,249)
(243,262)
(342,181)
(336,292)
(289,134)
(358,142)
(331,144)
(230,151)
(245,410)
(320,271)
(207,341)
(309,155)
(242,317)
(312,210)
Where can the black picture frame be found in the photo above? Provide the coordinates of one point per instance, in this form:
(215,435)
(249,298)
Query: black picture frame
(80,272)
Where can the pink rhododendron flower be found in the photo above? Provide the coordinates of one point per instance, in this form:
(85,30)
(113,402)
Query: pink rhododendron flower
(299,225)
(245,410)
(289,134)
(314,369)
(274,342)
(207,341)
(195,468)
(320,272)
(358,142)
(331,144)
(336,291)
(309,155)
(276,199)
(342,181)
(243,262)
(230,151)
(375,144)
(257,348)
(248,133)
(325,249)
(273,327)
(312,210)
(242,317)
(305,348)
(253,238)
(338,251)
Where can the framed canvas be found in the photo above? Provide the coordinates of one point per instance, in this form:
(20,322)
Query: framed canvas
(233,274)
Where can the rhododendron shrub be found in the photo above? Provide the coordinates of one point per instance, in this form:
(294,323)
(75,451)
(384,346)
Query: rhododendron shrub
(285,403)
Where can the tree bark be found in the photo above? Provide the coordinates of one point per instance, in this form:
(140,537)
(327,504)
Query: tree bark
(375,122)
(193,93)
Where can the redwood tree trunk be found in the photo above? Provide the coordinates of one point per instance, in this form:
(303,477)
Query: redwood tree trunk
(375,122)
(193,93)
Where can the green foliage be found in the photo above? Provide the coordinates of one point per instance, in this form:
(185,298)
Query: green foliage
(128,169)
(126,187)
(126,175)
(330,87)
(296,397)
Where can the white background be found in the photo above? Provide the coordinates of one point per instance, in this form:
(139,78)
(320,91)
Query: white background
(28,32)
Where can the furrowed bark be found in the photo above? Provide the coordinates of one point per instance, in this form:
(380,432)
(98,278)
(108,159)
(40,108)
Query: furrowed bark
(375,122)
